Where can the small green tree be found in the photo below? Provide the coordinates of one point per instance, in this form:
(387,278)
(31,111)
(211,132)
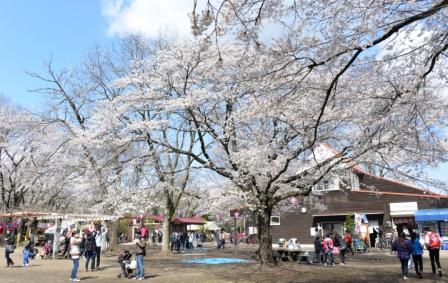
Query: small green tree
(349,223)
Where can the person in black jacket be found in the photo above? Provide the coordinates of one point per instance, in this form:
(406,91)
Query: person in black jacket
(139,254)
(340,242)
(317,249)
(90,247)
(9,247)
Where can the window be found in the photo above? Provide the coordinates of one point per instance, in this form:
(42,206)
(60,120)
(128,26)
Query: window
(332,227)
(327,185)
(275,220)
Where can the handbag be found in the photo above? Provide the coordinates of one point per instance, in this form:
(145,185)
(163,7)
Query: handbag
(133,264)
(335,250)
(9,248)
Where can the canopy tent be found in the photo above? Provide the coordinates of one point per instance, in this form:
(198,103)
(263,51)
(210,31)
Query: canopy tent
(211,226)
(431,214)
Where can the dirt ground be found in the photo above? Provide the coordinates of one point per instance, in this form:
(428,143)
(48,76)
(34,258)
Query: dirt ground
(371,267)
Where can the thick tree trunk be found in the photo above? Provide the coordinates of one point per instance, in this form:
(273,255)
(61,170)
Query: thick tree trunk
(113,231)
(166,229)
(265,253)
(57,236)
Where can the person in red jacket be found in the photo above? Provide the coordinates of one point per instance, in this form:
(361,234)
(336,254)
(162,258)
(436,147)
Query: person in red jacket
(349,240)
(327,247)
(433,242)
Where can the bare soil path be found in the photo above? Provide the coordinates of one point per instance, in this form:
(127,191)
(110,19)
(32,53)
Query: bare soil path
(360,268)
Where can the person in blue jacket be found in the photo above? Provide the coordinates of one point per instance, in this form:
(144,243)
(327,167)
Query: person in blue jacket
(417,254)
(403,247)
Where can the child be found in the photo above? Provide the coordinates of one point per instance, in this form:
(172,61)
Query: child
(417,254)
(26,253)
(48,249)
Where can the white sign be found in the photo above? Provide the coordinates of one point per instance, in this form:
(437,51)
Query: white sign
(403,208)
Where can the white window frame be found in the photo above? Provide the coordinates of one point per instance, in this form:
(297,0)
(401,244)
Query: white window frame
(275,223)
(332,185)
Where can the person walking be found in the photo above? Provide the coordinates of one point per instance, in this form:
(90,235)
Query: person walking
(349,240)
(403,247)
(9,247)
(433,242)
(417,254)
(342,245)
(75,253)
(140,253)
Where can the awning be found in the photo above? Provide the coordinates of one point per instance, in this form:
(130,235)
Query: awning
(212,226)
(324,214)
(431,214)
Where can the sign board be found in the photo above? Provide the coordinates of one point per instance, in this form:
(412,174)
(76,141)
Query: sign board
(403,208)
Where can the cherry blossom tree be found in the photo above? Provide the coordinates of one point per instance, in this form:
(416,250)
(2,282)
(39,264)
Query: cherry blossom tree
(264,130)
(28,178)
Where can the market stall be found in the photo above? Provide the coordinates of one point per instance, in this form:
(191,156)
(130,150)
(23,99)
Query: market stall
(435,219)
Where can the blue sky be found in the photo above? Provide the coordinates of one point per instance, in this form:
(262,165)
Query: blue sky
(33,31)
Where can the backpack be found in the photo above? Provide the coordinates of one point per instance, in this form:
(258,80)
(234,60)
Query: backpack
(342,244)
(434,241)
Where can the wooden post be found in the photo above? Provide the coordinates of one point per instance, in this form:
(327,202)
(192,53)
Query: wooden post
(19,231)
(57,236)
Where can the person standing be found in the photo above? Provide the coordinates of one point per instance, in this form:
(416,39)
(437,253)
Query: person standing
(75,253)
(26,254)
(223,239)
(100,238)
(433,242)
(317,249)
(403,247)
(173,241)
(140,253)
(349,240)
(327,246)
(143,231)
(90,250)
(9,247)
(417,254)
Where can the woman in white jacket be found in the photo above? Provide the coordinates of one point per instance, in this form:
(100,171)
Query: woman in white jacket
(75,253)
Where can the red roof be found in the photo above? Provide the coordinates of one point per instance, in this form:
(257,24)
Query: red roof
(157,218)
(182,220)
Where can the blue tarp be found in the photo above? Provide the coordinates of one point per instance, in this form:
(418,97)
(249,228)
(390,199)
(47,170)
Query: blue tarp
(431,214)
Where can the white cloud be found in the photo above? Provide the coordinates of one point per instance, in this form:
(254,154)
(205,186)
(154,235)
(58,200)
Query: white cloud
(148,17)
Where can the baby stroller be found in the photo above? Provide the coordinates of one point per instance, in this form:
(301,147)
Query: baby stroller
(124,260)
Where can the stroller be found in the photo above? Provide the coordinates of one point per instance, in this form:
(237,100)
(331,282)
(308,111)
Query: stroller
(124,260)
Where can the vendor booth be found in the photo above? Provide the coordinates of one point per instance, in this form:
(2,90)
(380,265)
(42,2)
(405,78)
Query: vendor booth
(435,219)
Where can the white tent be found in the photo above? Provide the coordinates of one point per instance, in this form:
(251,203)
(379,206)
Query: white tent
(212,226)
(65,224)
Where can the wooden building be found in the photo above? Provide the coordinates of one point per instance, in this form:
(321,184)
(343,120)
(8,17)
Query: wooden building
(384,202)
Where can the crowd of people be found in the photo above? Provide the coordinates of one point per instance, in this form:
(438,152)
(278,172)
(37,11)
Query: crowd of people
(407,248)
(90,242)
(185,241)
(332,244)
